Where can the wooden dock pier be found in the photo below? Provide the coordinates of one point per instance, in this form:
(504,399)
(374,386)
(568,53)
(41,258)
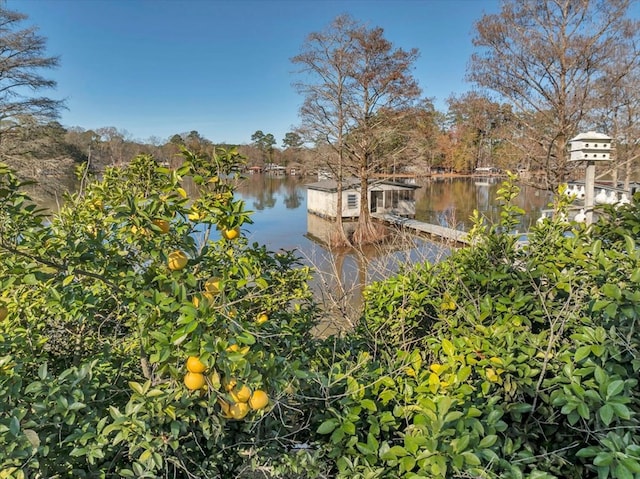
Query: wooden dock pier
(418,227)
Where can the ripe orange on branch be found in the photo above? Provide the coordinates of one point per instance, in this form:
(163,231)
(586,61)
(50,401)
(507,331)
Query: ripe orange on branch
(194,381)
(241,395)
(212,285)
(177,260)
(258,400)
(194,365)
(208,297)
(230,234)
(239,410)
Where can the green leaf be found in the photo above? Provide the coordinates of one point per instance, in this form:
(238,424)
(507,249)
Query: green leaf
(42,371)
(471,459)
(611,310)
(614,388)
(460,444)
(453,416)
(447,347)
(488,441)
(588,451)
(612,291)
(246,338)
(600,304)
(33,437)
(583,410)
(630,244)
(621,472)
(606,414)
(603,459)
(407,463)
(137,387)
(349,428)
(327,426)
(631,464)
(582,352)
(369,405)
(33,387)
(76,406)
(14,426)
(621,410)
(398,451)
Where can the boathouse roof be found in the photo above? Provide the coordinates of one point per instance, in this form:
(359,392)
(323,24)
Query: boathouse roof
(331,186)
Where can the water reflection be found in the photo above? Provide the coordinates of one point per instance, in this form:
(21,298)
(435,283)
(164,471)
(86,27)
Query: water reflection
(281,222)
(280,212)
(451,201)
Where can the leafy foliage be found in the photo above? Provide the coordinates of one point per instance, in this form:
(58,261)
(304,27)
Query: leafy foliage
(508,359)
(99,325)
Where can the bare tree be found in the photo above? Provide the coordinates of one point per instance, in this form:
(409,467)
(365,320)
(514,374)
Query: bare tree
(544,57)
(22,59)
(618,113)
(352,74)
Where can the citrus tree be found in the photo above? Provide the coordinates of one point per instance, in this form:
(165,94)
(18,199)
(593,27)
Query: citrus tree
(140,334)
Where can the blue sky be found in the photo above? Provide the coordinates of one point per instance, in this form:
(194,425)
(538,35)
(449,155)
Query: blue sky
(222,67)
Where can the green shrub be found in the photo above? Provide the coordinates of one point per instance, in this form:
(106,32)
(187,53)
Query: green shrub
(99,326)
(506,360)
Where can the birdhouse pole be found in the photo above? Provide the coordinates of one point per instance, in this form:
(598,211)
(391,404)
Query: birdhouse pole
(591,147)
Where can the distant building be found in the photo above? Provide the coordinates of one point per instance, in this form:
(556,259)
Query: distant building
(324,175)
(384,197)
(275,170)
(486,171)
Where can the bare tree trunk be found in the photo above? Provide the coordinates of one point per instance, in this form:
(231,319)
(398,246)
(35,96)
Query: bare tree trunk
(366,231)
(338,238)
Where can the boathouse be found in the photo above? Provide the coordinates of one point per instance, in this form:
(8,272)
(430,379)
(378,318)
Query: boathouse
(384,197)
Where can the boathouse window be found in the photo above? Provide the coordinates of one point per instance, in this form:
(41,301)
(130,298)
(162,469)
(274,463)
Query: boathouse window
(352,201)
(395,197)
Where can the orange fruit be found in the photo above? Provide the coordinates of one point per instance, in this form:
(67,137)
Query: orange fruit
(194,365)
(230,234)
(262,318)
(194,381)
(241,395)
(163,225)
(4,312)
(208,297)
(177,260)
(258,400)
(212,285)
(239,410)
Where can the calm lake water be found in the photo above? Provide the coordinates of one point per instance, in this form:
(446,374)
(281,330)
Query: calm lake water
(280,218)
(280,206)
(280,222)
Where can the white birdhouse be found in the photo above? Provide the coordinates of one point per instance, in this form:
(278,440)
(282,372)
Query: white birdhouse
(590,146)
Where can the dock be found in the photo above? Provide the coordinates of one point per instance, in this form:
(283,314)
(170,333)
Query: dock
(426,229)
